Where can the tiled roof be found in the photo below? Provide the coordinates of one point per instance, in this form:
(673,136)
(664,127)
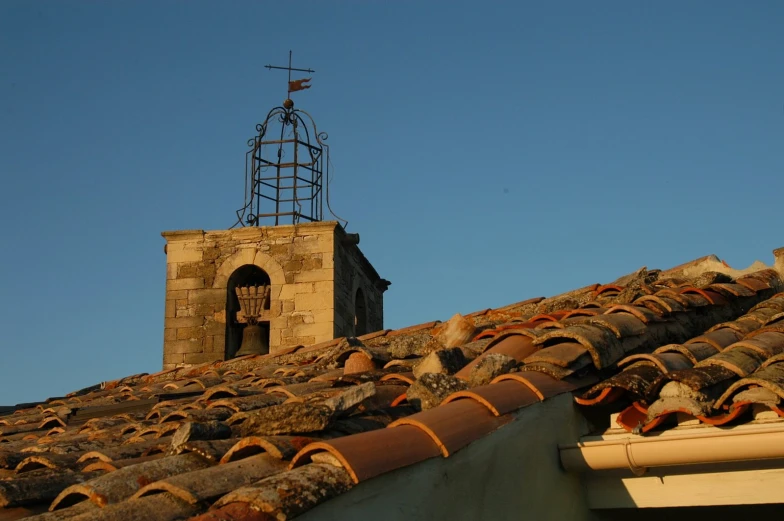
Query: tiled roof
(269,437)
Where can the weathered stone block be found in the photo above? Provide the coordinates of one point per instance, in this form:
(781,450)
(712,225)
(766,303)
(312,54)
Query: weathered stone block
(183,346)
(219,343)
(177,323)
(176,295)
(171,271)
(170,308)
(188,283)
(169,334)
(324,286)
(187,271)
(207,296)
(323,330)
(186,333)
(183,313)
(212,327)
(292,266)
(201,358)
(306,340)
(173,358)
(180,252)
(287,306)
(286,292)
(303,287)
(313,301)
(204,309)
(312,263)
(314,275)
(279,323)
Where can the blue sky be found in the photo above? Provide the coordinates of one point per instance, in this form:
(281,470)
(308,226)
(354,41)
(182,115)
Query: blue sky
(485,152)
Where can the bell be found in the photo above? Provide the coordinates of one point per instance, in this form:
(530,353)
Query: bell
(253,341)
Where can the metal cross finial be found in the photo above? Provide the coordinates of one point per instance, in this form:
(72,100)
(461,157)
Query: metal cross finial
(289,68)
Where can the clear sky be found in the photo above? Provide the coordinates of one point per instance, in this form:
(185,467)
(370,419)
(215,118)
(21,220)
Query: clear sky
(486,152)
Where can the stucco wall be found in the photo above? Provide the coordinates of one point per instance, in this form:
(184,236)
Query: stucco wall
(512,474)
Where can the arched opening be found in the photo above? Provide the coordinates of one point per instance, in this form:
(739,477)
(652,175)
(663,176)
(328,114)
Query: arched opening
(360,314)
(247,275)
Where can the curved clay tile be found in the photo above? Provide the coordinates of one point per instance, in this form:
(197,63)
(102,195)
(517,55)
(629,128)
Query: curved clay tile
(564,354)
(761,315)
(514,343)
(211,450)
(718,338)
(742,361)
(770,377)
(585,312)
(766,343)
(198,415)
(605,289)
(662,411)
(711,296)
(686,301)
(743,325)
(624,325)
(731,290)
(120,452)
(454,425)
(601,343)
(553,316)
(288,494)
(122,484)
(660,305)
(372,453)
(499,398)
(47,461)
(359,363)
(694,351)
(644,314)
(642,381)
(407,377)
(665,362)
(111,466)
(40,488)
(226,391)
(777,318)
(301,389)
(247,403)
(213,482)
(542,385)
(604,397)
(280,447)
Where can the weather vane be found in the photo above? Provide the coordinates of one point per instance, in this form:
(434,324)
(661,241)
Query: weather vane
(294,85)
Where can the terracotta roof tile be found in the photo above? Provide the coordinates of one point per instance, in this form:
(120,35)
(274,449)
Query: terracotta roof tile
(220,435)
(370,454)
(500,398)
(454,425)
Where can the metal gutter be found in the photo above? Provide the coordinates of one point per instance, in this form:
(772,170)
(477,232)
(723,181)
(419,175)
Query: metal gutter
(691,447)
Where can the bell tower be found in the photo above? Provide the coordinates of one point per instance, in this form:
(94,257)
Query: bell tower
(281,275)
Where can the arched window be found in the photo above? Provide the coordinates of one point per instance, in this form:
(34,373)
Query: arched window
(360,314)
(248,275)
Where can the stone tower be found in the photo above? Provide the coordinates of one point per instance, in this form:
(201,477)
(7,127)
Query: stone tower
(319,283)
(321,287)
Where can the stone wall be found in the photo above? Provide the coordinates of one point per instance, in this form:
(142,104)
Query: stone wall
(352,273)
(300,261)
